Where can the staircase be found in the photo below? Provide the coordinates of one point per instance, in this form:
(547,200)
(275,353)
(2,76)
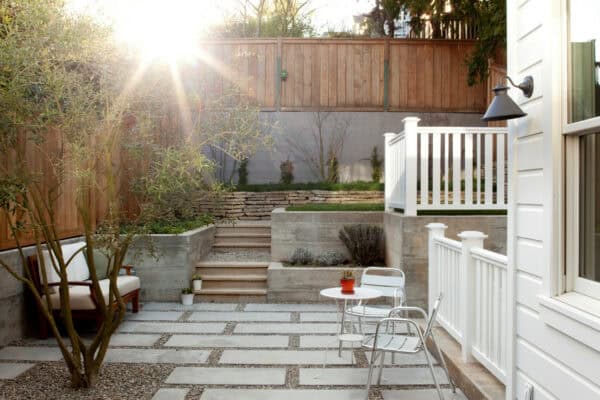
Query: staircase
(253,235)
(236,271)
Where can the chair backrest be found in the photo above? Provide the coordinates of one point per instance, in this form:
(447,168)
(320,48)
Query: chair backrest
(389,281)
(433,316)
(77,270)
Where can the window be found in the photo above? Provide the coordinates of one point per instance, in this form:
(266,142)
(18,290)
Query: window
(583,148)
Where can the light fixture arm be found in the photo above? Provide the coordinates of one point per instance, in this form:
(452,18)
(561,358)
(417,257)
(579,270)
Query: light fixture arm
(526,85)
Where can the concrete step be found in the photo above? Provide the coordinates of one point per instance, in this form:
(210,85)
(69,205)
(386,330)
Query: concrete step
(235,239)
(262,228)
(242,234)
(231,268)
(235,284)
(232,291)
(245,244)
(234,278)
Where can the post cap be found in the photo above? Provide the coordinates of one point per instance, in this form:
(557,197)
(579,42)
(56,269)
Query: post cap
(411,119)
(472,235)
(436,225)
(389,134)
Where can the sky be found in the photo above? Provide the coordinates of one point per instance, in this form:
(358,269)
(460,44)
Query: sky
(337,14)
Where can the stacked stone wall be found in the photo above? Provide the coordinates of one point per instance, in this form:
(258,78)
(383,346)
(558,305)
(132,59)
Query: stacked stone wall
(259,205)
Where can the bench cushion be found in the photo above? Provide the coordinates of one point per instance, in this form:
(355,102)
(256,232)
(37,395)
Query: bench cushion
(77,270)
(82,300)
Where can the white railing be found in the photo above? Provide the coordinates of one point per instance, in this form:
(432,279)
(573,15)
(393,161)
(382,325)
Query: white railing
(441,168)
(475,305)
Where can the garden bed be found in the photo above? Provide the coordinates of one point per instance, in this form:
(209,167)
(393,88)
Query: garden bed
(333,187)
(324,207)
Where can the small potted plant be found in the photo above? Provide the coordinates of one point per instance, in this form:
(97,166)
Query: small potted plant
(196,282)
(187,297)
(347,282)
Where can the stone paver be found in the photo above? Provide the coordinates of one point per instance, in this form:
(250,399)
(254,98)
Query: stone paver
(278,394)
(154,316)
(404,359)
(12,370)
(322,342)
(227,376)
(170,394)
(228,341)
(285,328)
(171,327)
(421,394)
(290,307)
(284,357)
(157,356)
(133,339)
(30,353)
(318,317)
(153,306)
(358,376)
(241,316)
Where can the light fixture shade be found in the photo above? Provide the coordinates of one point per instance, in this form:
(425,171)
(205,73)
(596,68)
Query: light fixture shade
(502,106)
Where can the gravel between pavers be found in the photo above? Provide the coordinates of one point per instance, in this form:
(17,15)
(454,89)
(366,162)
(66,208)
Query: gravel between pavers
(50,380)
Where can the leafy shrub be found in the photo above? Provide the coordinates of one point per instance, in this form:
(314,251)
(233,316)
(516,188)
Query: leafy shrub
(365,243)
(243,172)
(301,257)
(287,172)
(333,175)
(329,258)
(376,163)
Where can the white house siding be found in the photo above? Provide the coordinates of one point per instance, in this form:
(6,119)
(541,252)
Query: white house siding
(556,365)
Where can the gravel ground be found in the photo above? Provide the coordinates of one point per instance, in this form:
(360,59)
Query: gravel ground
(50,380)
(233,254)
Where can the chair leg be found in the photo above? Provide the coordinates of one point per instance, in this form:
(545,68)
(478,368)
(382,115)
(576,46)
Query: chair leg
(443,362)
(381,367)
(374,354)
(437,385)
(135,302)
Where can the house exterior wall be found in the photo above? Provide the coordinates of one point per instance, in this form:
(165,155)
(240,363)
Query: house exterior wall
(548,349)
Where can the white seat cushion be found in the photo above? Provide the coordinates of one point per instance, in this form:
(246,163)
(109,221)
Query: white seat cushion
(77,270)
(82,300)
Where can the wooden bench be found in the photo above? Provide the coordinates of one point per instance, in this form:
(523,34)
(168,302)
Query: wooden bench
(84,305)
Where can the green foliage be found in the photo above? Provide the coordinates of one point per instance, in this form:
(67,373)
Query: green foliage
(365,243)
(278,187)
(330,258)
(338,207)
(186,291)
(347,274)
(243,172)
(286,169)
(161,226)
(301,257)
(376,164)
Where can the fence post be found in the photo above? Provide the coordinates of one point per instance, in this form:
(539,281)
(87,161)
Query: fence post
(466,289)
(389,176)
(410,135)
(436,230)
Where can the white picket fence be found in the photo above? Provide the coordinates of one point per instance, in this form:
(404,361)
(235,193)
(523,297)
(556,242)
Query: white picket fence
(475,304)
(441,168)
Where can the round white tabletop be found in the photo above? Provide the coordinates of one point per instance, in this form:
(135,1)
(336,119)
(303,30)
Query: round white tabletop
(359,293)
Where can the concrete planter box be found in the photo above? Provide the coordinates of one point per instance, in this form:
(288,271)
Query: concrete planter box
(162,279)
(316,231)
(303,284)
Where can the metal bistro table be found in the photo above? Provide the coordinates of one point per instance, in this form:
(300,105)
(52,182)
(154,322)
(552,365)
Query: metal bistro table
(360,294)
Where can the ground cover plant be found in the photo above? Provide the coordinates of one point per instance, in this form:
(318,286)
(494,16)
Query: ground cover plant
(277,187)
(338,207)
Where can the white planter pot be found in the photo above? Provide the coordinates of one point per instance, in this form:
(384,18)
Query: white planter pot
(187,299)
(197,284)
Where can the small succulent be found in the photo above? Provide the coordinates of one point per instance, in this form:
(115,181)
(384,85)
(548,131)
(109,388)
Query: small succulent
(196,277)
(347,274)
(329,258)
(301,257)
(186,291)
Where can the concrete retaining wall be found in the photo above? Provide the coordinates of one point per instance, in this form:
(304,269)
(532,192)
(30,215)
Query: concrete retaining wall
(407,242)
(163,278)
(303,284)
(252,205)
(316,231)
(18,317)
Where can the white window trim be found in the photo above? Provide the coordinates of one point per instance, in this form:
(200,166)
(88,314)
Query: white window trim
(572,132)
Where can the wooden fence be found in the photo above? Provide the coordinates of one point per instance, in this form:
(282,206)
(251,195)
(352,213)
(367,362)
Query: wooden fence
(344,74)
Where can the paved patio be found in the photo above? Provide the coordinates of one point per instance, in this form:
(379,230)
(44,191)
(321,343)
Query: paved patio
(243,351)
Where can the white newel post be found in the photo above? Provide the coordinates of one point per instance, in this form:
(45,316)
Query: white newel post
(466,289)
(410,134)
(436,229)
(390,180)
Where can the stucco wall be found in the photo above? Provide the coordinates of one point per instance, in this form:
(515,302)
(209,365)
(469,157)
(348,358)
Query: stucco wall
(165,274)
(251,205)
(18,317)
(365,130)
(315,231)
(407,241)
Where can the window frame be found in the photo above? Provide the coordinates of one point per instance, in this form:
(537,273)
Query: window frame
(572,131)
